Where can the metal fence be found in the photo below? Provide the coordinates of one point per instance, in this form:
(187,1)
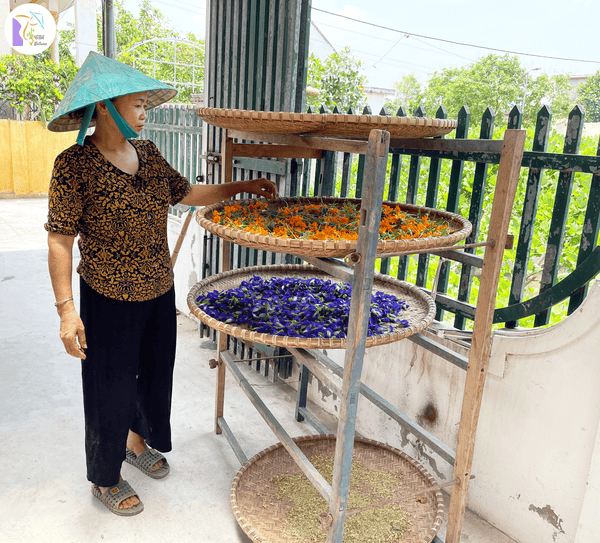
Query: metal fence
(555,255)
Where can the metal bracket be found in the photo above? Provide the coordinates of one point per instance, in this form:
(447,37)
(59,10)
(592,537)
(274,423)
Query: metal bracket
(213,158)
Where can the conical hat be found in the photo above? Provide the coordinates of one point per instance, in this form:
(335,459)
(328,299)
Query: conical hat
(101,78)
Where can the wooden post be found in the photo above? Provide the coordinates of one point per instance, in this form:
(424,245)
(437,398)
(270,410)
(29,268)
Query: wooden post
(360,303)
(504,195)
(184,228)
(227,177)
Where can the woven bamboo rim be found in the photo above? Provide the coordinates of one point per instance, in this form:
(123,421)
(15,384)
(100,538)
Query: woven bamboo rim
(252,489)
(419,314)
(332,248)
(325,124)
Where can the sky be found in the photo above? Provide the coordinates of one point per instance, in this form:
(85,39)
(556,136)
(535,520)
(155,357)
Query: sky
(393,38)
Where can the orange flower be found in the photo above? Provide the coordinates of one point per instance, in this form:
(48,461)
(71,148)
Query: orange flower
(324,222)
(280,232)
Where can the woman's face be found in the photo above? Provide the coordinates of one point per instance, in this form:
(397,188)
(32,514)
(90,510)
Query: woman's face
(132,107)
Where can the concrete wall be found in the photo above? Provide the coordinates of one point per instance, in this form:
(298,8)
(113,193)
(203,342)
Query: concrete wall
(537,461)
(189,260)
(27,154)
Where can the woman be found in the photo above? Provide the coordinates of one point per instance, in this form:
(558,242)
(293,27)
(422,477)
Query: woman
(114,192)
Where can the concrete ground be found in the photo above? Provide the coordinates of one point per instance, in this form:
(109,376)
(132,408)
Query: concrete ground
(44,495)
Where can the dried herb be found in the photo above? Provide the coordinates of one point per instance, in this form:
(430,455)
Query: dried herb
(368,520)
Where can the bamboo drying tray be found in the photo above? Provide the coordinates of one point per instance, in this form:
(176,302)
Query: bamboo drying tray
(419,314)
(332,248)
(325,124)
(419,497)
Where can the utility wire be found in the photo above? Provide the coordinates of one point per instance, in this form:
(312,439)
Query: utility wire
(323,36)
(429,45)
(455,42)
(390,50)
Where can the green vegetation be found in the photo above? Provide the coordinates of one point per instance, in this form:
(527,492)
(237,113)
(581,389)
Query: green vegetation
(589,97)
(574,227)
(338,80)
(34,85)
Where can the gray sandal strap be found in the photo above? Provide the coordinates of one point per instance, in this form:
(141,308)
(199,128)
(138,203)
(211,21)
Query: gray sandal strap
(145,461)
(116,494)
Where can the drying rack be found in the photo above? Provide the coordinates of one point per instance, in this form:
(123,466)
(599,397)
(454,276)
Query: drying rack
(359,269)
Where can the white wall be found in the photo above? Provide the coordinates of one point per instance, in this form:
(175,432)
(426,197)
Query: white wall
(5,48)
(86,37)
(536,460)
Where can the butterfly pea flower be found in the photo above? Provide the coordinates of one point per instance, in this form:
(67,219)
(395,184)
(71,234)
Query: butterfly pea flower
(299,307)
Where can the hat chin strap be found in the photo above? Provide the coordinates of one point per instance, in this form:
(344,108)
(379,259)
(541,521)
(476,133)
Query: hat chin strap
(85,123)
(122,125)
(126,130)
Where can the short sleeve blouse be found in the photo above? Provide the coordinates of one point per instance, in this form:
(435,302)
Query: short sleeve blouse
(121,219)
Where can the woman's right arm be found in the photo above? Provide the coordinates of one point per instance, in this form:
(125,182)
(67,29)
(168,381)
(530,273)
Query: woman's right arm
(60,265)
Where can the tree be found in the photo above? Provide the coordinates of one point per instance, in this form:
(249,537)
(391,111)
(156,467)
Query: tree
(338,80)
(156,59)
(409,94)
(34,85)
(588,94)
(499,82)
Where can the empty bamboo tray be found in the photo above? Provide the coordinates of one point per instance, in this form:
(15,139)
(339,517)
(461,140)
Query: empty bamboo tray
(338,125)
(262,514)
(419,314)
(460,227)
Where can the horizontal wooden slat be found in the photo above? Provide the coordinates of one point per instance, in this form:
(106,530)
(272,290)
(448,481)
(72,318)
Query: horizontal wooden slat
(462,309)
(461,256)
(312,142)
(257,150)
(451,145)
(332,267)
(316,369)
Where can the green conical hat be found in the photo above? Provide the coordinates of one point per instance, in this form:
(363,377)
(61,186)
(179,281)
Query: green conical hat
(101,78)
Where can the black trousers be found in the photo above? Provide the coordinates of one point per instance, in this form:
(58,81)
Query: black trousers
(127,377)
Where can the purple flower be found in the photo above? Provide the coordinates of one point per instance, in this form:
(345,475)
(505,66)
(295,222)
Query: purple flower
(297,307)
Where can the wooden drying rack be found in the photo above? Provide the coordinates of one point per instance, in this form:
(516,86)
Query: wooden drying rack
(376,155)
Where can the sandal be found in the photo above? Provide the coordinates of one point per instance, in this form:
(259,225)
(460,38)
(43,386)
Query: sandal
(146,460)
(113,497)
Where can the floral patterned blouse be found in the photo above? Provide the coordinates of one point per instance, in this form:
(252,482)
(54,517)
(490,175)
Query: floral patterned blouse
(121,219)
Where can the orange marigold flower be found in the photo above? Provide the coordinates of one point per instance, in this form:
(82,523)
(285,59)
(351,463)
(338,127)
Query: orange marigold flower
(280,232)
(297,222)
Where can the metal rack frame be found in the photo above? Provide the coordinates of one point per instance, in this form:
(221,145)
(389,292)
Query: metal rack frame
(376,155)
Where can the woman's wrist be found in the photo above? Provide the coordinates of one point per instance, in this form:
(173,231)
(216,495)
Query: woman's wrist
(65,307)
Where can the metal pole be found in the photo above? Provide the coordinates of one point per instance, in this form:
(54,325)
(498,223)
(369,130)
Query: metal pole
(110,42)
